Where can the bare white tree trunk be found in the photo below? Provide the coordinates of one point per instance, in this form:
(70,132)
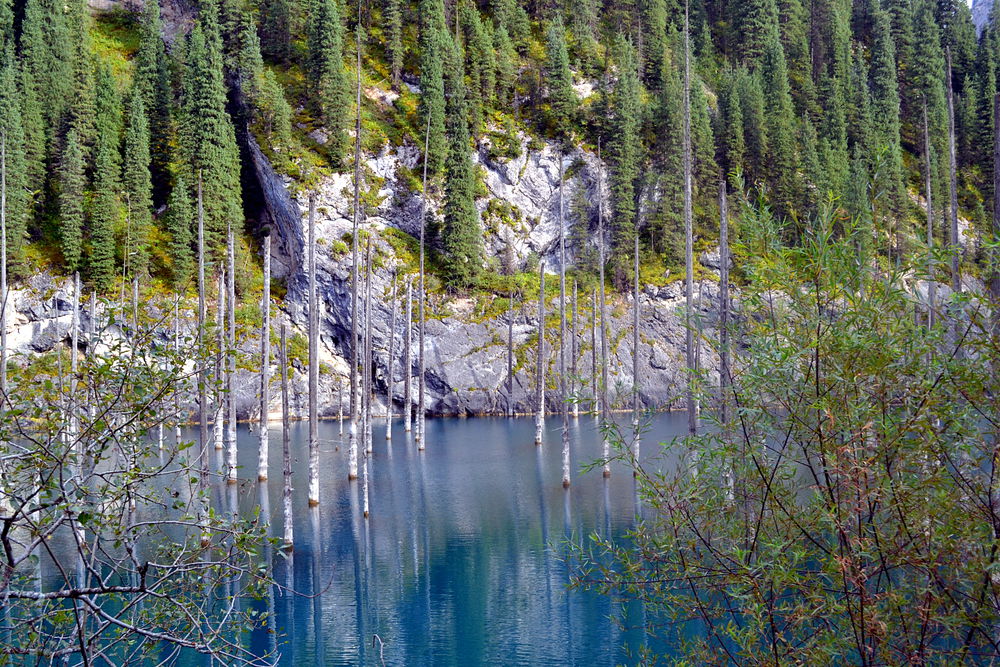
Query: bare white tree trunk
(202,370)
(540,365)
(75,367)
(725,373)
(635,357)
(390,380)
(352,471)
(953,239)
(407,360)
(340,406)
(231,357)
(286,449)
(688,234)
(594,403)
(3,272)
(265,361)
(995,276)
(563,385)
(366,359)
(575,353)
(510,355)
(220,383)
(177,348)
(605,359)
(313,361)
(931,282)
(421,374)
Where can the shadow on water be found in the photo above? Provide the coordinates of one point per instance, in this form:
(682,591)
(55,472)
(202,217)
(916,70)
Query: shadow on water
(458,563)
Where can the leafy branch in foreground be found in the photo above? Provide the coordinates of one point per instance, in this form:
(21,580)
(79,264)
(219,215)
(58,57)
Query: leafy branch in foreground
(102,531)
(849,514)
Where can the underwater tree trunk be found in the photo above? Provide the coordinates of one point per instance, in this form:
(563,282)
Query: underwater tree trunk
(540,365)
(265,361)
(286,449)
(313,360)
(407,359)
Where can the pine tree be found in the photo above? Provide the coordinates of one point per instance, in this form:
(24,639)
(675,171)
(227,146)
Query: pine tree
(80,114)
(927,81)
(178,219)
(13,136)
(72,186)
(327,75)
(462,238)
(6,26)
(480,66)
(561,96)
(275,114)
(782,161)
(138,185)
(275,29)
(392,17)
(209,139)
(654,20)
(106,212)
(433,50)
(625,151)
(755,27)
(46,53)
(732,144)
(831,148)
(506,59)
(152,77)
(704,166)
(751,95)
(885,107)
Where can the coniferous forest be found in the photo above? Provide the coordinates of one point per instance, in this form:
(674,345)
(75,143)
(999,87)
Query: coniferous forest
(742,258)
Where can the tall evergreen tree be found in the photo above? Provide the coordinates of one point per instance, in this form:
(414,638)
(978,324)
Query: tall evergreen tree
(392,17)
(152,77)
(885,107)
(80,114)
(832,151)
(755,27)
(329,79)
(106,212)
(46,53)
(275,29)
(72,187)
(462,238)
(625,149)
(13,136)
(732,143)
(433,50)
(480,66)
(561,96)
(209,138)
(178,221)
(751,95)
(782,161)
(656,46)
(506,59)
(138,184)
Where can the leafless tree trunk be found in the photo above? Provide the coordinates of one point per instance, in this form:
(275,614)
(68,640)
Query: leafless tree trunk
(605,359)
(390,381)
(724,370)
(202,365)
(75,367)
(563,386)
(220,352)
(540,365)
(313,360)
(231,356)
(995,277)
(3,271)
(177,348)
(421,373)
(953,239)
(265,361)
(352,472)
(575,351)
(366,357)
(594,403)
(407,359)
(286,449)
(931,282)
(635,355)
(510,355)
(688,234)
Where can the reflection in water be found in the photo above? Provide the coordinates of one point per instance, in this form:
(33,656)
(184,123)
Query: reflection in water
(456,564)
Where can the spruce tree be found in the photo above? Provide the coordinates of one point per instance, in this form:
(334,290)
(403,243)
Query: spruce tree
(46,54)
(755,27)
(625,151)
(561,96)
(433,50)
(927,80)
(275,29)
(13,136)
(462,238)
(392,18)
(209,139)
(327,75)
(138,185)
(654,19)
(479,66)
(6,25)
(667,219)
(72,186)
(152,77)
(831,149)
(885,107)
(178,220)
(506,60)
(80,114)
(782,161)
(751,95)
(732,144)
(106,212)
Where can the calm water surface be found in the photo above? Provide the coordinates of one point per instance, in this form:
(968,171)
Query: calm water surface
(462,559)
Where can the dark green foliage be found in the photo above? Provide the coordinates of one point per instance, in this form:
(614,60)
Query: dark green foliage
(208,136)
(506,59)
(392,18)
(330,84)
(751,95)
(13,140)
(462,237)
(480,67)
(138,186)
(732,144)
(80,115)
(885,107)
(561,96)
(832,141)
(625,152)
(72,186)
(433,50)
(275,113)
(275,29)
(6,25)
(152,77)
(178,221)
(654,19)
(782,160)
(106,213)
(755,26)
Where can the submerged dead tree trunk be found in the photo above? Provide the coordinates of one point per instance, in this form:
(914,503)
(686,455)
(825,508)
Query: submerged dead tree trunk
(407,359)
(995,277)
(390,381)
(724,355)
(220,352)
(175,390)
(540,365)
(931,282)
(605,360)
(313,360)
(595,406)
(510,355)
(202,367)
(366,356)
(231,357)
(3,272)
(692,410)
(635,357)
(562,336)
(265,360)
(574,351)
(286,449)
(421,377)
(352,472)
(953,239)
